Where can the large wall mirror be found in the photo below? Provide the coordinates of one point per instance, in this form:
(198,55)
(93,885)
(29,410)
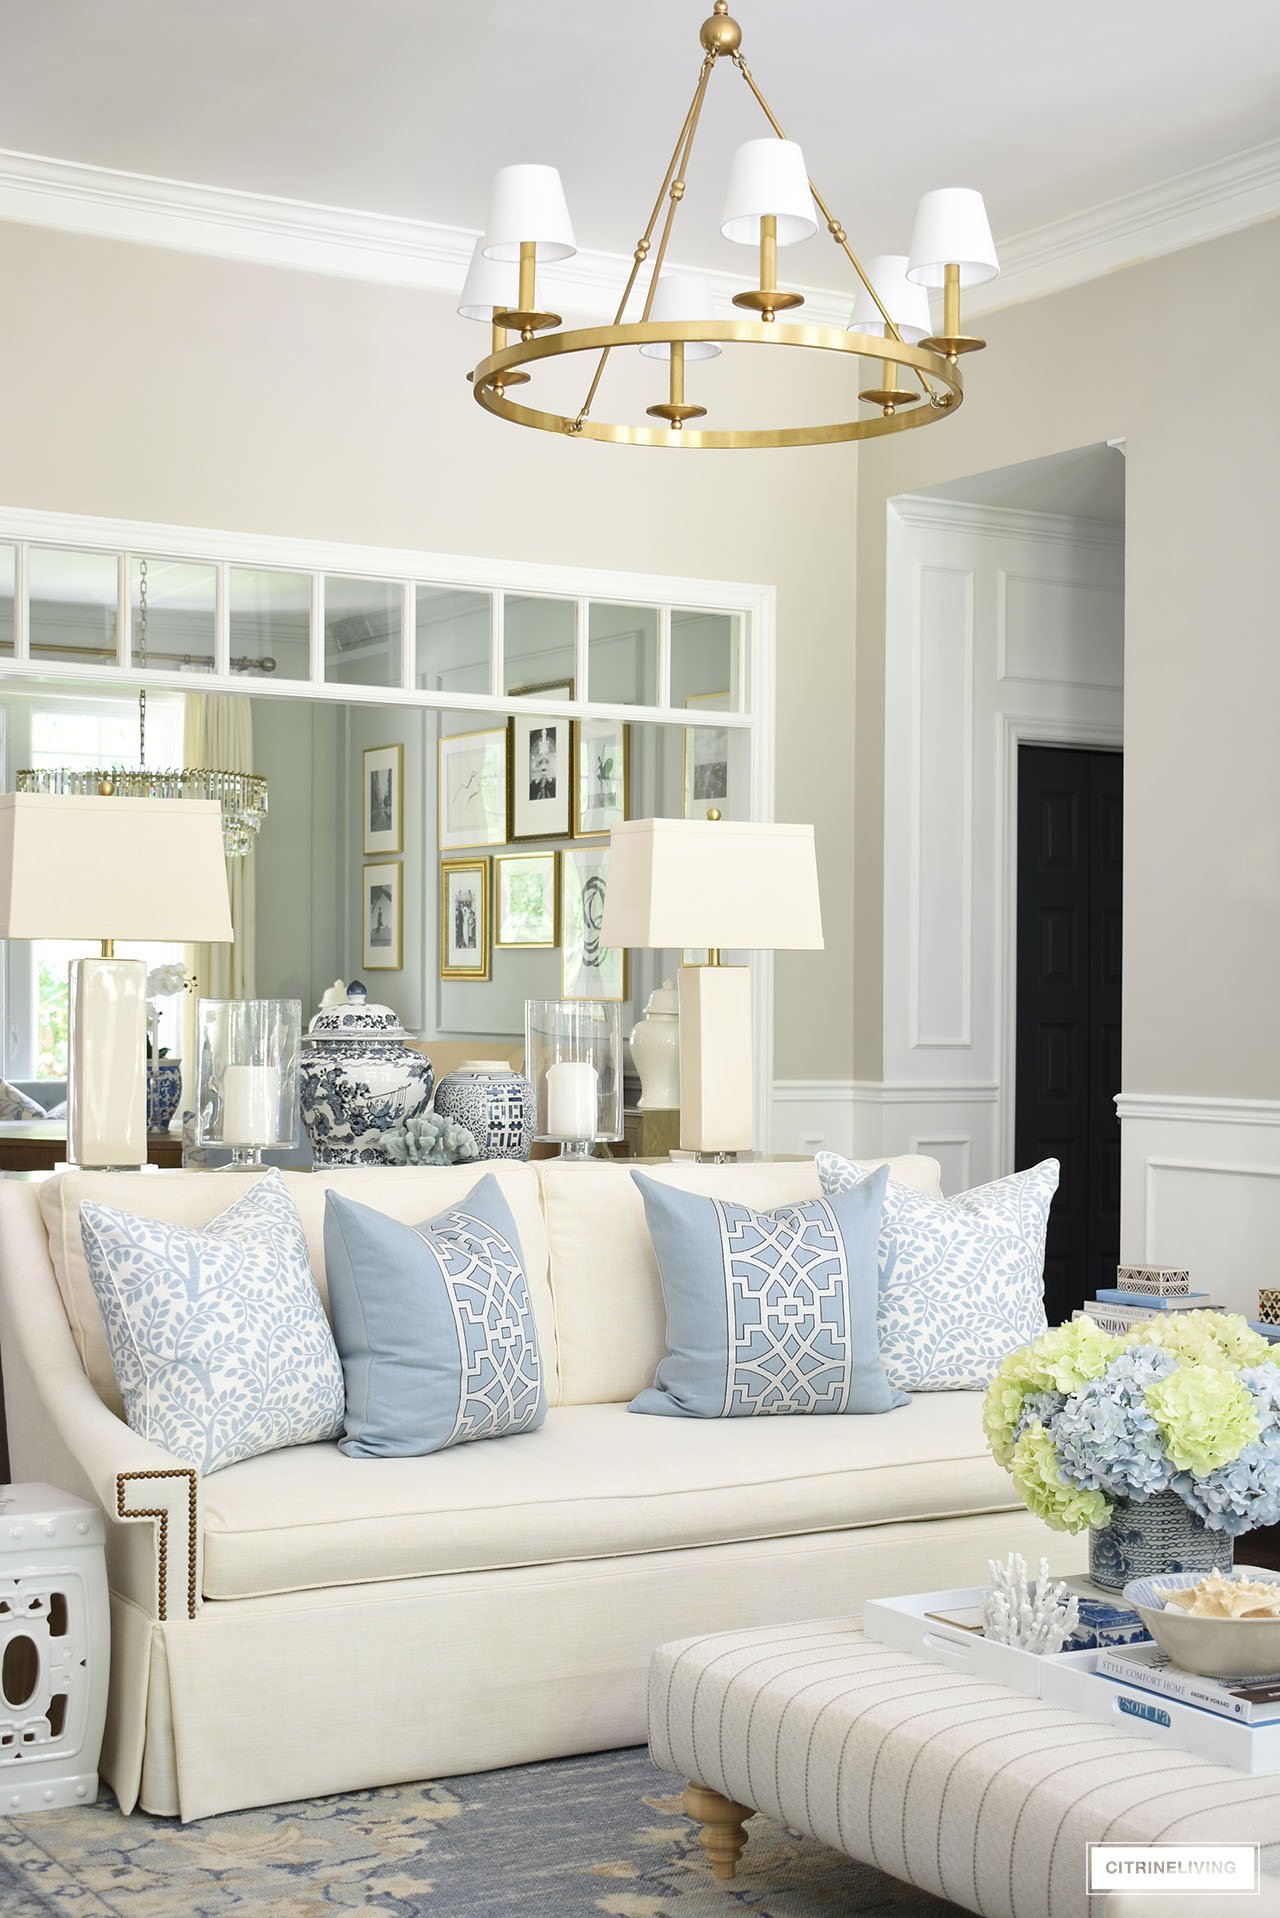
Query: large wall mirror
(444,759)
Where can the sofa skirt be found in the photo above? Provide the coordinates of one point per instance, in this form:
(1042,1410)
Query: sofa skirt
(259,1701)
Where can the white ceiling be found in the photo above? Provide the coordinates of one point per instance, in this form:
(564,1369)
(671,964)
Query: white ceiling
(405,107)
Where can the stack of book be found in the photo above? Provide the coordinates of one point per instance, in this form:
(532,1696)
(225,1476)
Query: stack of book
(1143,1292)
(1250,1701)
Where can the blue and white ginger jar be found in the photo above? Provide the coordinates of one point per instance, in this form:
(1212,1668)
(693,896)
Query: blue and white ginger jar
(360,1078)
(494,1102)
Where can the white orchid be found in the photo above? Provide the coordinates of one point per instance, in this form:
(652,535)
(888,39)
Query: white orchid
(163,982)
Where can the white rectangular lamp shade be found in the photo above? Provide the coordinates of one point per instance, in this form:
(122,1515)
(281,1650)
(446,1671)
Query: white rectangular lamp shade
(75,867)
(738,885)
(721,884)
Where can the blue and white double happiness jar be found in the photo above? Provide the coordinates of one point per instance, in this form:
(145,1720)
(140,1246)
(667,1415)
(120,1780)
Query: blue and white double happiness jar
(494,1102)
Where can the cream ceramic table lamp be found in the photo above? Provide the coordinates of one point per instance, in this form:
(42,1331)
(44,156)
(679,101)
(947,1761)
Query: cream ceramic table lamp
(723,886)
(109,868)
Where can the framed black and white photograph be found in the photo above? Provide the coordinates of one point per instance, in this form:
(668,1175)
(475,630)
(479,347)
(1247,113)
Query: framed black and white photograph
(540,768)
(706,759)
(473,789)
(525,899)
(588,968)
(600,790)
(464,918)
(384,799)
(383,919)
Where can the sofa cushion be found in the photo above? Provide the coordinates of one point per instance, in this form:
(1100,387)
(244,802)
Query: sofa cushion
(768,1313)
(194,1198)
(433,1322)
(610,1323)
(220,1343)
(593,1482)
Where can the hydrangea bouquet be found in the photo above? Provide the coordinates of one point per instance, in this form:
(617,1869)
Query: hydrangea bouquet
(1188,1403)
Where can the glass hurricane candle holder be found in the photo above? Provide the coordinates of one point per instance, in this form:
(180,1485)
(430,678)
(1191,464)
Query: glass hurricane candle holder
(573,1060)
(247,1089)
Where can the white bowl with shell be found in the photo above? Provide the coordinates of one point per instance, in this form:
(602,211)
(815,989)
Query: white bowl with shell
(1220,1624)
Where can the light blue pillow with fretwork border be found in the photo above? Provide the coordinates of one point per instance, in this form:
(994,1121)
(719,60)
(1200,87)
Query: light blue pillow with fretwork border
(767,1312)
(217,1333)
(961,1279)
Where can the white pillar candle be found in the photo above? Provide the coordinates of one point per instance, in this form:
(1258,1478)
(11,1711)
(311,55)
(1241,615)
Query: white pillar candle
(573,1089)
(250,1105)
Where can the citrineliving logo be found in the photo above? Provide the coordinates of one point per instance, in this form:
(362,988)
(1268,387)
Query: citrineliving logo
(1196,1871)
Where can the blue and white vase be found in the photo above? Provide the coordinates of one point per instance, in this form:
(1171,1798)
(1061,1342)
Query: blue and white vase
(1153,1535)
(494,1102)
(164,1089)
(360,1078)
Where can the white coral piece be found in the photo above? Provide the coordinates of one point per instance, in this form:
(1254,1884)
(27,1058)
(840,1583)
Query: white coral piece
(1039,1620)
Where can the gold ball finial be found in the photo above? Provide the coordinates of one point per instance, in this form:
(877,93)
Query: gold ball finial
(713,812)
(720,34)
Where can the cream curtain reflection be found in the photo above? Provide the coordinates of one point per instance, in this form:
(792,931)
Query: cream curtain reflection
(219,733)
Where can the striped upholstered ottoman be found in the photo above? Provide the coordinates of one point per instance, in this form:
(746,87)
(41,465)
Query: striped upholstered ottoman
(960,1787)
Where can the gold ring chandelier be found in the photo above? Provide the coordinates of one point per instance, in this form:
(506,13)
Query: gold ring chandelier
(771,202)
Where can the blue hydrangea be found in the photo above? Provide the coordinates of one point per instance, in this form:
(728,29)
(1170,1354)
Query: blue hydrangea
(1106,1439)
(1039,1408)
(1245,1492)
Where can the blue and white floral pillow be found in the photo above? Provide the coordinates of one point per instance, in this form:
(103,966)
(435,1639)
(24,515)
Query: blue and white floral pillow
(961,1279)
(217,1334)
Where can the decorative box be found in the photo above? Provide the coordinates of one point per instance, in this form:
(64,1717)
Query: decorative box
(1153,1278)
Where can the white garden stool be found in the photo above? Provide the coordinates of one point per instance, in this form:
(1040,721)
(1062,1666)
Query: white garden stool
(54,1639)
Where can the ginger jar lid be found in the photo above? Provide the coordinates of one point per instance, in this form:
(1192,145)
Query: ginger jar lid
(664,1001)
(354,1016)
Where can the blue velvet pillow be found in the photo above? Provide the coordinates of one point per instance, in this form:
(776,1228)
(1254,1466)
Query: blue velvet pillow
(767,1312)
(433,1324)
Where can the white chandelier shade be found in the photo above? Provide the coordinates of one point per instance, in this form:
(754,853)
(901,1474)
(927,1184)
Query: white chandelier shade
(682,296)
(489,285)
(952,229)
(906,303)
(768,177)
(528,207)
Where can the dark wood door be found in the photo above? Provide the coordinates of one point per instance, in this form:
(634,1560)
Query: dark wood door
(1070,821)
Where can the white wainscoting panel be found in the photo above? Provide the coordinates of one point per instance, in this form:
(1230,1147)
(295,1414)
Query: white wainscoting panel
(870,1119)
(1002,627)
(1200,1186)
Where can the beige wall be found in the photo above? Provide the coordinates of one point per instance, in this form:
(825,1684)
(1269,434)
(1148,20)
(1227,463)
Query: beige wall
(163,386)
(1140,356)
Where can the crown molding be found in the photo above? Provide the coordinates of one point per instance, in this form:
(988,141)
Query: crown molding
(1201,205)
(387,250)
(1006,522)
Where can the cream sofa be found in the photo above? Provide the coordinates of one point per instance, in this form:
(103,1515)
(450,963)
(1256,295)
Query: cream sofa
(305,1623)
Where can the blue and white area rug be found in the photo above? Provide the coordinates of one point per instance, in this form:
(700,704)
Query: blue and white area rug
(595,1837)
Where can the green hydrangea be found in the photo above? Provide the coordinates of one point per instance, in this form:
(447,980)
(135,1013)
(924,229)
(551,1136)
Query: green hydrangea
(1033,1465)
(1206,1417)
(1206,1338)
(1061,1360)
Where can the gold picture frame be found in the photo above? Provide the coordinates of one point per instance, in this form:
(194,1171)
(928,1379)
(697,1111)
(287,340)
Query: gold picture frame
(709,770)
(471,789)
(601,787)
(464,918)
(383,800)
(540,768)
(383,916)
(514,918)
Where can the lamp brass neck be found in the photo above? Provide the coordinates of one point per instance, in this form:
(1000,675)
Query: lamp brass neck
(108,949)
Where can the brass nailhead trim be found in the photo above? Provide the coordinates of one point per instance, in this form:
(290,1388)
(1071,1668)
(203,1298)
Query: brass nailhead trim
(158,1512)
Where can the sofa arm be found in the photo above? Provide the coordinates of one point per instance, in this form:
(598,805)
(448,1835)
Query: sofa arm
(62,1433)
(152,1500)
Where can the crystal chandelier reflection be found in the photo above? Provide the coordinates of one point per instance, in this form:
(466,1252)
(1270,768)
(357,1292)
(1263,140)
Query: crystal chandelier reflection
(771,203)
(242,796)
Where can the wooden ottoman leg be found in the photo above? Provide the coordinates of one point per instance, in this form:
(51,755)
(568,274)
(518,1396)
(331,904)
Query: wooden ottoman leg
(722,1821)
